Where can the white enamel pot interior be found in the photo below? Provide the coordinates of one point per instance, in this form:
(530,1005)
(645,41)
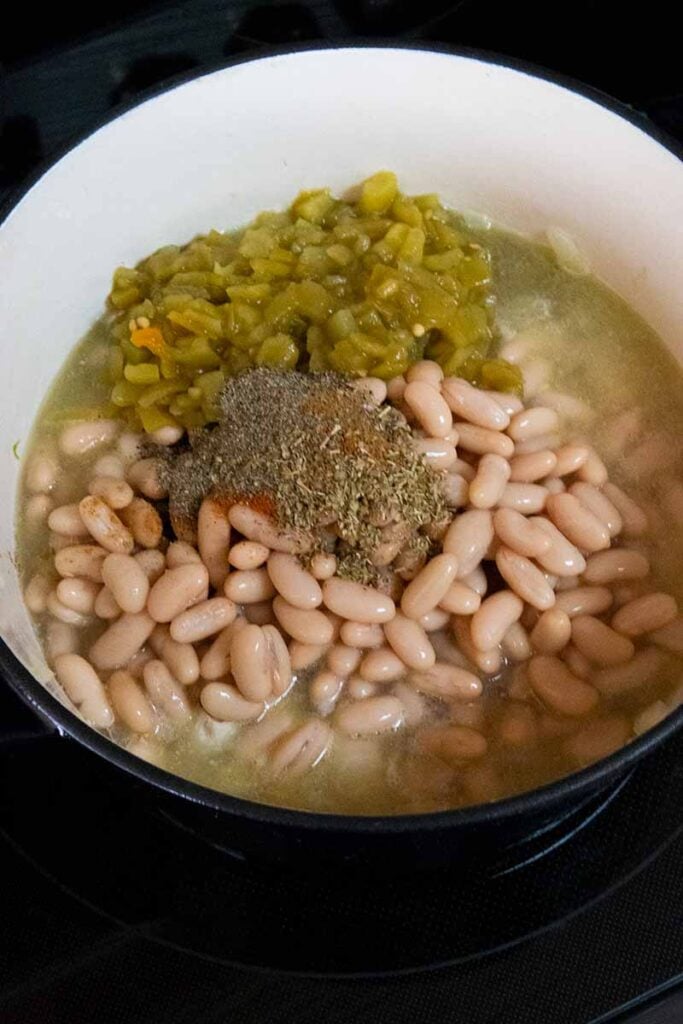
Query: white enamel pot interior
(214,151)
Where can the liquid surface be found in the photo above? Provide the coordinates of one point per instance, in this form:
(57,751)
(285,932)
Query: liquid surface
(622,394)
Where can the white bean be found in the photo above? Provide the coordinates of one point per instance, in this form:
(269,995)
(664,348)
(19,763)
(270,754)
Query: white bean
(79,438)
(552,632)
(180,658)
(309,626)
(78,594)
(447,682)
(553,484)
(600,644)
(464,469)
(519,533)
(561,557)
(106,606)
(454,743)
(645,614)
(381,666)
(641,669)
(474,405)
(525,498)
(633,519)
(225,703)
(650,716)
(260,613)
(248,554)
(357,602)
(166,692)
(215,664)
(144,476)
(482,441)
(584,601)
(358,688)
(343,660)
(302,749)
(577,662)
(533,466)
(532,445)
(177,590)
(515,643)
(437,452)
(37,510)
(105,526)
(166,436)
(203,620)
(670,637)
(489,484)
(570,458)
(213,537)
(369,717)
(559,689)
(116,492)
(252,664)
(66,519)
(429,586)
(84,688)
(42,474)
(599,504)
(109,466)
(152,564)
(60,638)
(130,703)
(361,634)
(63,613)
(293,582)
(425,369)
(593,470)
(323,565)
(489,662)
(303,656)
(460,599)
(533,422)
(434,620)
(525,579)
(373,387)
(124,638)
(325,690)
(429,408)
(615,566)
(598,739)
(181,553)
(129,446)
(249,586)
(468,538)
(508,402)
(36,593)
(455,490)
(144,522)
(126,581)
(255,526)
(493,619)
(579,525)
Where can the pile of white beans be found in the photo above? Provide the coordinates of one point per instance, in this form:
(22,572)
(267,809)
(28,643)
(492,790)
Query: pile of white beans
(147,634)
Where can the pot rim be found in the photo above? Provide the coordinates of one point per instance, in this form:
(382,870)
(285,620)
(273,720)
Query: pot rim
(545,797)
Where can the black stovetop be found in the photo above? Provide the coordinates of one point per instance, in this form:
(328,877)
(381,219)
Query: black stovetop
(112,911)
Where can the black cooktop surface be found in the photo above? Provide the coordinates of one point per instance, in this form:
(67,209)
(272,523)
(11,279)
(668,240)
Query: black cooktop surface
(111,910)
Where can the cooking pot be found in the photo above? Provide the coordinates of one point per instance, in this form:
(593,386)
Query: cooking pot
(528,149)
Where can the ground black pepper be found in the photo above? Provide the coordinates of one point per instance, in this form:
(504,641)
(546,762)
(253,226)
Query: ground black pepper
(319,456)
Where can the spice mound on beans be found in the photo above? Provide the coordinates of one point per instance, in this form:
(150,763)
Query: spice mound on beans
(331,467)
(354,565)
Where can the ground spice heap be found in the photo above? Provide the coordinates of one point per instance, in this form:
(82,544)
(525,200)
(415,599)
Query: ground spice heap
(318,456)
